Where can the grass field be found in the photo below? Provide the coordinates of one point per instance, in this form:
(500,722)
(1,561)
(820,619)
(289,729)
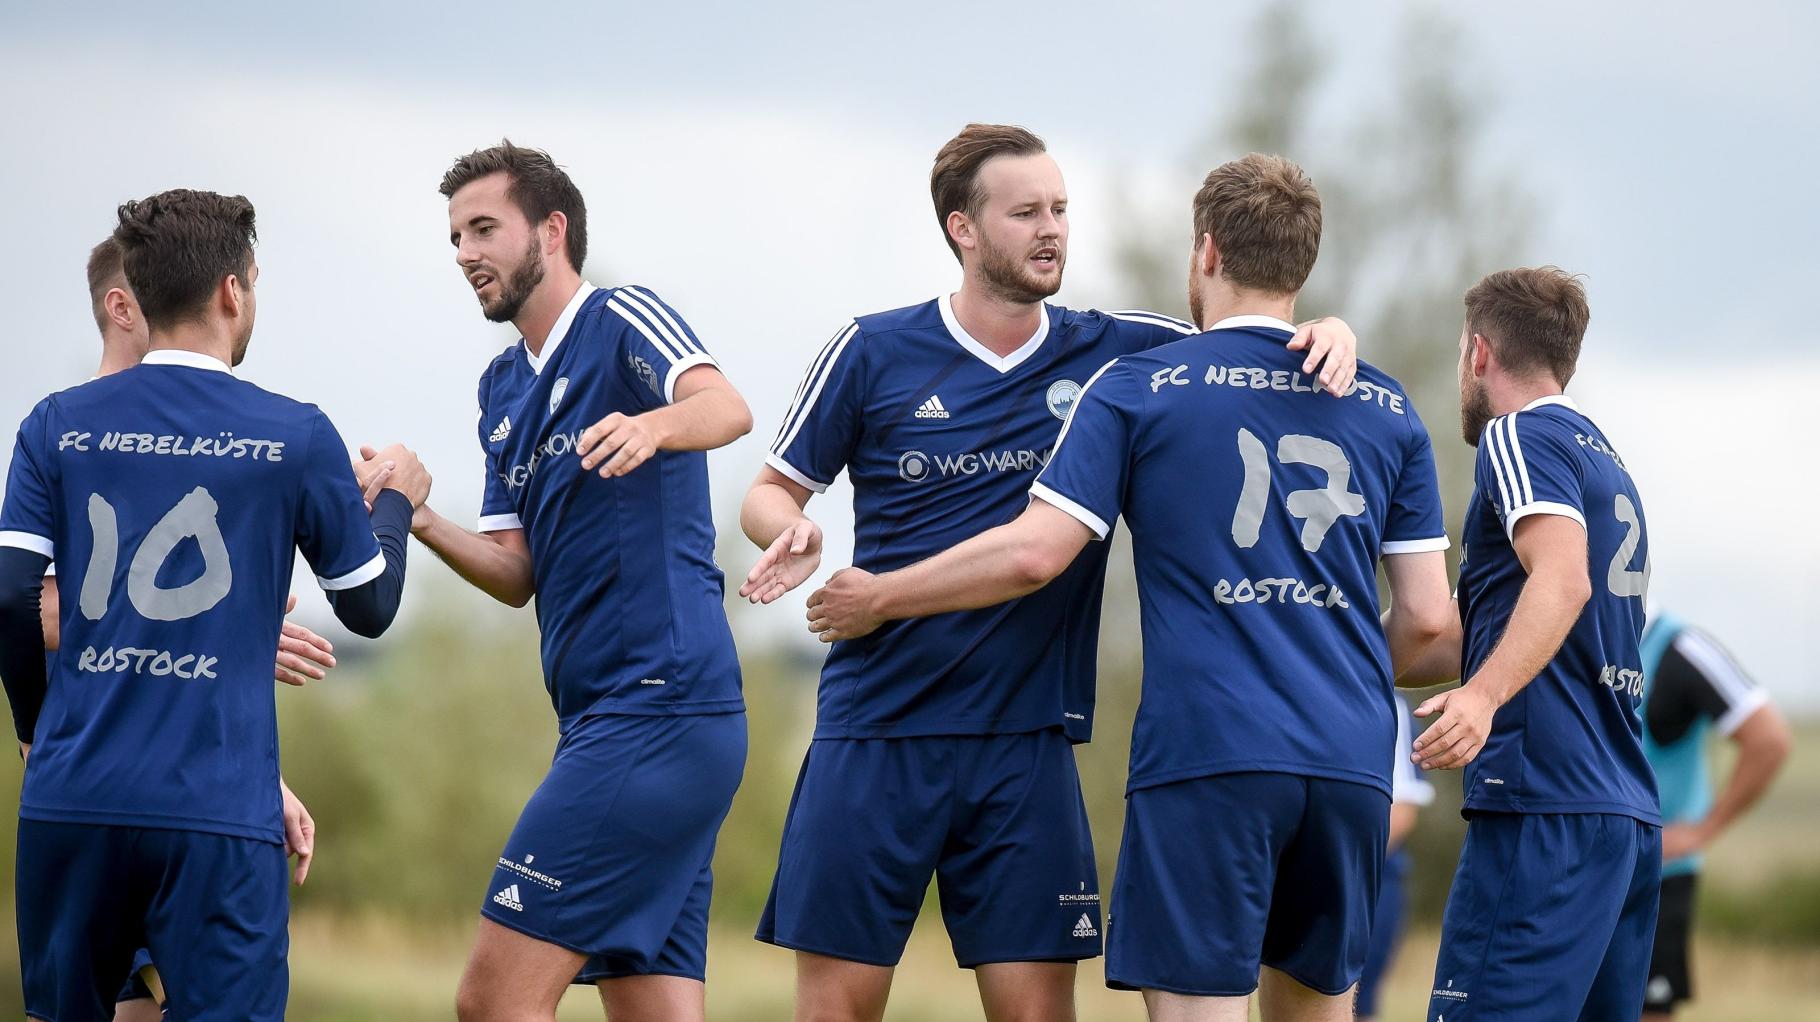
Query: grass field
(372,973)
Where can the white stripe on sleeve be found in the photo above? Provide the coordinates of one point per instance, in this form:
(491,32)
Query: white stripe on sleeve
(664,348)
(815,380)
(675,331)
(27,541)
(1155,319)
(359,576)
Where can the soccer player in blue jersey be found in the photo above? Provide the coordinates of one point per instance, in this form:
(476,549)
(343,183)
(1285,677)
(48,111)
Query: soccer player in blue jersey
(943,745)
(177,496)
(302,654)
(1259,792)
(1553,907)
(1693,690)
(594,429)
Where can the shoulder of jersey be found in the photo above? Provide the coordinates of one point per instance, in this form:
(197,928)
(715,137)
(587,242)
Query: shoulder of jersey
(921,316)
(1180,326)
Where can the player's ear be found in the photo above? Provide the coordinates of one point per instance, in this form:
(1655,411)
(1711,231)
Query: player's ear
(555,232)
(1207,256)
(960,229)
(1481,354)
(119,308)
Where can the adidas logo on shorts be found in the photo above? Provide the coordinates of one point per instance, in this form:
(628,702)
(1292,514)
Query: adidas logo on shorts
(501,431)
(509,898)
(1085,928)
(932,409)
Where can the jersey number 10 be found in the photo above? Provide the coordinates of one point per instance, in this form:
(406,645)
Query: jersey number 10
(194,515)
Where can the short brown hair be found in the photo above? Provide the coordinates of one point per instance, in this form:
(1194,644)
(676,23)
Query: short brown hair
(539,187)
(1265,218)
(954,183)
(106,271)
(177,246)
(1533,317)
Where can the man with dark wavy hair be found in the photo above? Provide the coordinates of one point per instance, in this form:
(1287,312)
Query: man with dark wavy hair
(177,497)
(595,428)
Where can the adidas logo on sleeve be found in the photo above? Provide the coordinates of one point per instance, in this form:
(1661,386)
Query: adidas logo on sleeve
(509,898)
(932,409)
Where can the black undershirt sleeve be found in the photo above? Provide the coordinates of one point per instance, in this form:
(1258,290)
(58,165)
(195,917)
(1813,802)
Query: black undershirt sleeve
(22,636)
(368,609)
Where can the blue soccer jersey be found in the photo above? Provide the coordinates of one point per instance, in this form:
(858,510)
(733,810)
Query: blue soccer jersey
(1258,508)
(941,439)
(629,599)
(1571,740)
(174,497)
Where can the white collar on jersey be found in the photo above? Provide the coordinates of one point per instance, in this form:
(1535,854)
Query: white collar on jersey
(1267,322)
(185,357)
(1553,399)
(560,330)
(985,354)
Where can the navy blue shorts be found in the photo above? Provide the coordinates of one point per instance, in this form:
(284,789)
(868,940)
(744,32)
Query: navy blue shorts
(997,819)
(1551,916)
(1386,932)
(611,855)
(1219,875)
(212,910)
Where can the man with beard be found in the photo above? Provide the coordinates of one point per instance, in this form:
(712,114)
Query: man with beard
(177,496)
(302,654)
(595,429)
(1553,573)
(1259,794)
(943,745)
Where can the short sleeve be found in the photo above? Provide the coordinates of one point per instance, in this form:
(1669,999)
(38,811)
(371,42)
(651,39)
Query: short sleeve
(656,346)
(822,427)
(333,528)
(497,512)
(1090,464)
(1528,469)
(1416,522)
(26,517)
(1712,681)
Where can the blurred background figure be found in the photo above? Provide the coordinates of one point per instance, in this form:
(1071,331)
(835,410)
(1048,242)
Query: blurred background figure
(1409,792)
(1693,691)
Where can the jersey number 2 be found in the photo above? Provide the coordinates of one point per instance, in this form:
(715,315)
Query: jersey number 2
(194,515)
(1619,577)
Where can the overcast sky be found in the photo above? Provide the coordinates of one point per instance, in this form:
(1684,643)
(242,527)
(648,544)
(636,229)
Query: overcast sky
(764,168)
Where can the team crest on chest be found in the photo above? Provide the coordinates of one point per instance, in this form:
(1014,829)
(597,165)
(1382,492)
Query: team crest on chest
(557,391)
(1061,397)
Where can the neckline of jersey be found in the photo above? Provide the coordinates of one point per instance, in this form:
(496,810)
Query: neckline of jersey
(1001,364)
(1240,322)
(1553,399)
(185,358)
(559,331)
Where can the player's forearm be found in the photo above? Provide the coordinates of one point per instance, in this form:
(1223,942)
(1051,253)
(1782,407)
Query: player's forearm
(22,637)
(1763,747)
(767,511)
(369,608)
(995,566)
(707,419)
(502,573)
(1550,603)
(1434,663)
